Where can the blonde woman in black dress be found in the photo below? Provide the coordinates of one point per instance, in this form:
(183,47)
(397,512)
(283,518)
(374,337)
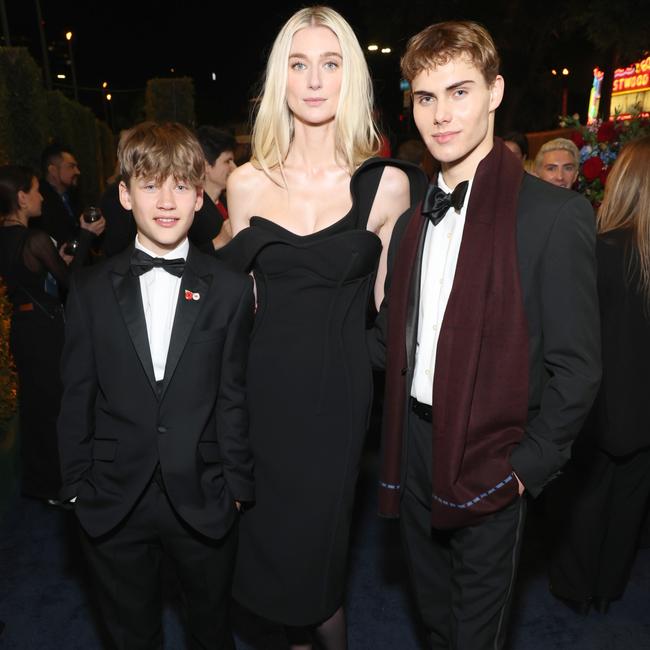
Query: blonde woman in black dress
(312,215)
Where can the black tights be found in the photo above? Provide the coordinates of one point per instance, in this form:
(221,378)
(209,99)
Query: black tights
(329,635)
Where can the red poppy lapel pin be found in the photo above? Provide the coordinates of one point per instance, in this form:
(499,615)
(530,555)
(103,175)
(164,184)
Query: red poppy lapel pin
(192,295)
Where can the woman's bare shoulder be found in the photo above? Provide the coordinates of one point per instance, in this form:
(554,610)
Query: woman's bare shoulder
(245,178)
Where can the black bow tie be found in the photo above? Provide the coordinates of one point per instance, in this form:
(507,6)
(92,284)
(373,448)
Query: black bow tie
(437,201)
(141,263)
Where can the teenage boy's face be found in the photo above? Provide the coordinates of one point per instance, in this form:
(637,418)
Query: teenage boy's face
(453,108)
(163,212)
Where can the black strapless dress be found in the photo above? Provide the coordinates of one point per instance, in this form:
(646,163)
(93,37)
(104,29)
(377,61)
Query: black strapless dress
(310,392)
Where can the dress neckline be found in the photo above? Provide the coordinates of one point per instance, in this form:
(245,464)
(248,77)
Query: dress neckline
(333,225)
(308,235)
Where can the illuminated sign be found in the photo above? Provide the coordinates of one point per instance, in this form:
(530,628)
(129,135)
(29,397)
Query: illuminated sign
(594,96)
(632,79)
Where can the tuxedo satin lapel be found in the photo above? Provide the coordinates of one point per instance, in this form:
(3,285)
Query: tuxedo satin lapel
(413,307)
(129,298)
(184,319)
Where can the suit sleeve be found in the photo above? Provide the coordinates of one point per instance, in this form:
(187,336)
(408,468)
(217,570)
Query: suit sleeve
(232,411)
(78,373)
(571,346)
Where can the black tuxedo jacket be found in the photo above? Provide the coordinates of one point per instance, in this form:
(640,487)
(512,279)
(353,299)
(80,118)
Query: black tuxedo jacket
(116,424)
(556,257)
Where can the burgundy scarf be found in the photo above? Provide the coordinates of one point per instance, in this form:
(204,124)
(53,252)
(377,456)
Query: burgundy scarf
(480,391)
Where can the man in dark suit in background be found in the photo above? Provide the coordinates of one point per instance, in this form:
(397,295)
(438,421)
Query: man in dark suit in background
(62,208)
(153,427)
(492,344)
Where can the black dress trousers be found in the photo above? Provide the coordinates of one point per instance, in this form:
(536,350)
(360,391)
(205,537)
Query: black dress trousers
(462,578)
(126,573)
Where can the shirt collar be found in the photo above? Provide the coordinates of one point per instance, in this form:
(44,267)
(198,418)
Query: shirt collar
(180,251)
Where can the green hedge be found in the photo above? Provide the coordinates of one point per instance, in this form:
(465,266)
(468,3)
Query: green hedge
(24,123)
(31,117)
(170,100)
(8,407)
(75,125)
(106,150)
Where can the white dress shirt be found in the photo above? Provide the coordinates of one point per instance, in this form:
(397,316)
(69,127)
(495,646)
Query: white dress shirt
(439,259)
(159,291)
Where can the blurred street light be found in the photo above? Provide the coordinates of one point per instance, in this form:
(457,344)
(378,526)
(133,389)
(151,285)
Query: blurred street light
(565,88)
(373,47)
(68,37)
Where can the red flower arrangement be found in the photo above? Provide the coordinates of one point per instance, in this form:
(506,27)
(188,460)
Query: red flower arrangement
(599,144)
(607,132)
(592,168)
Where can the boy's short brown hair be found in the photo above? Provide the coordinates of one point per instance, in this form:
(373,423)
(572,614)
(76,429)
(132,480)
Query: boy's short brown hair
(438,44)
(157,151)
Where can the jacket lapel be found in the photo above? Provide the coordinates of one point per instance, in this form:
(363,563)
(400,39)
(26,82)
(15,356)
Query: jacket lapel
(413,305)
(187,311)
(127,292)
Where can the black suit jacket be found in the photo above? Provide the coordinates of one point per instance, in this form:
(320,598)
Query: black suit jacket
(556,256)
(116,424)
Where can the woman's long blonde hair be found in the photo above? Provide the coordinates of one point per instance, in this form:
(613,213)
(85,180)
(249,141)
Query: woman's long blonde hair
(626,206)
(356,137)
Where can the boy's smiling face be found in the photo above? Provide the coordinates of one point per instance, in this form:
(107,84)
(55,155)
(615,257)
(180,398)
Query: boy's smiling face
(163,212)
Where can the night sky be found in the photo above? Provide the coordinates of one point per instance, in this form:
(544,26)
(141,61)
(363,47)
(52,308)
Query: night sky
(127,43)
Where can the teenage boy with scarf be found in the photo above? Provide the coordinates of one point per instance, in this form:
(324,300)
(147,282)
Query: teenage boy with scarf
(492,344)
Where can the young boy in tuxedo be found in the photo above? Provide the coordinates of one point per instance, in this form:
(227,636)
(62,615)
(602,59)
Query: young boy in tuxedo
(153,420)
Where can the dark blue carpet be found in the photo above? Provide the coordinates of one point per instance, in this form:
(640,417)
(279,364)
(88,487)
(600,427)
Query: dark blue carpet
(44,599)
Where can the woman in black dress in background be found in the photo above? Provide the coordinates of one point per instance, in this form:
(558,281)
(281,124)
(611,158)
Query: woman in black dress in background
(312,215)
(26,257)
(610,470)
